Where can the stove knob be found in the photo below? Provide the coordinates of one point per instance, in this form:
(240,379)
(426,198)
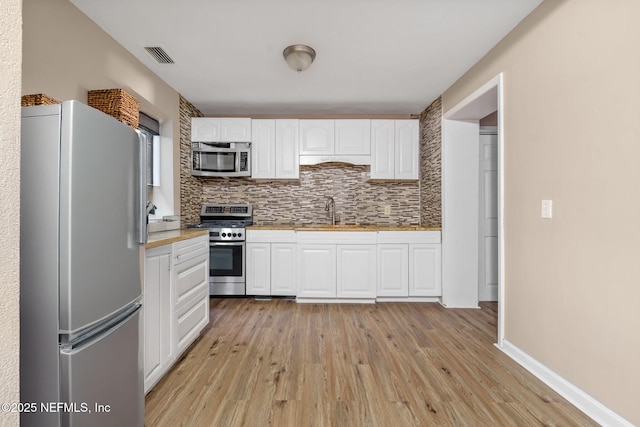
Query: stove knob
(224,234)
(234,234)
(239,234)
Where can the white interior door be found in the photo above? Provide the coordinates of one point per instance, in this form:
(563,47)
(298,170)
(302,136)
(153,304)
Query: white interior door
(488,214)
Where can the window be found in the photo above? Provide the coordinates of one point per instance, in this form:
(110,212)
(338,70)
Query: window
(150,127)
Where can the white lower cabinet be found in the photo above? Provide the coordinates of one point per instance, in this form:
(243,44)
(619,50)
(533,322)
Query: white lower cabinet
(157,305)
(425,270)
(271,262)
(283,273)
(316,271)
(393,270)
(191,278)
(175,303)
(356,271)
(409,264)
(337,265)
(344,265)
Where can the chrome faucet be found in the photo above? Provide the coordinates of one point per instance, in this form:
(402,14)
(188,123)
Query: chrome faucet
(330,207)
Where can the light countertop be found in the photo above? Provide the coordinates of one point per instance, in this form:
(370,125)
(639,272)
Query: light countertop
(341,227)
(161,238)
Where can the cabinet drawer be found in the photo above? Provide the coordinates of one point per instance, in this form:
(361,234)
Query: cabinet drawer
(190,248)
(188,279)
(191,319)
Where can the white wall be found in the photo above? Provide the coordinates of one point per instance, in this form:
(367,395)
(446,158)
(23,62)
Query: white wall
(572,134)
(10,61)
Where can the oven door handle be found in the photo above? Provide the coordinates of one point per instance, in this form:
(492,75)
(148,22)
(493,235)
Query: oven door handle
(216,243)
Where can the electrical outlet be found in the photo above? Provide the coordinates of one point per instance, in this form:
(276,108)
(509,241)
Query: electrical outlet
(546,209)
(387,210)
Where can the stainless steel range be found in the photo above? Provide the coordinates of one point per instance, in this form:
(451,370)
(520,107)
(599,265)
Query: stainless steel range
(226,246)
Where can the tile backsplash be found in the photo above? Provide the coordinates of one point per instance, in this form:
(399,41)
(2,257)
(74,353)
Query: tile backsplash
(303,201)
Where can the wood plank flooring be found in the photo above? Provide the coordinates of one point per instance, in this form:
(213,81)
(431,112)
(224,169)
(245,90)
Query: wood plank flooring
(279,363)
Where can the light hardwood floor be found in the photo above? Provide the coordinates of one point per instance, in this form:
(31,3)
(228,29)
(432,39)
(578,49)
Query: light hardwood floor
(279,363)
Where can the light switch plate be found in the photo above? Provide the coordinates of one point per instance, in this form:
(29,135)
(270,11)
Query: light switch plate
(546,210)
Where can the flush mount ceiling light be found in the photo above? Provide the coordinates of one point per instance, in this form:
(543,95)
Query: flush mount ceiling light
(299,57)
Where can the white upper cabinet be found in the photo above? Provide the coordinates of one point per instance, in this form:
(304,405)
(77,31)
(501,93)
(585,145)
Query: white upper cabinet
(353,137)
(220,129)
(316,137)
(263,149)
(382,149)
(395,149)
(407,149)
(287,149)
(274,151)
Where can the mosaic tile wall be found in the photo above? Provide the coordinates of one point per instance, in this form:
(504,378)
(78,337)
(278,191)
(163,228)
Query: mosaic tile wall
(190,187)
(303,201)
(430,165)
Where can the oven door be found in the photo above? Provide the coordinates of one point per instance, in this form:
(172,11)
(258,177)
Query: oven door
(226,268)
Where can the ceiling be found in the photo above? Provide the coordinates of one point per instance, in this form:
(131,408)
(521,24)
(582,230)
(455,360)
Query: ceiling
(373,56)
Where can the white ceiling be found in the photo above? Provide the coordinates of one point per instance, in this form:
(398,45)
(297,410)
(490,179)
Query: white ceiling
(373,56)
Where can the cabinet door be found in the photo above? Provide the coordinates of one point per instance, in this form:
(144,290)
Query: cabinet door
(425,270)
(287,157)
(353,137)
(316,271)
(406,149)
(316,137)
(382,149)
(283,269)
(263,149)
(235,129)
(356,271)
(258,269)
(158,308)
(393,270)
(205,129)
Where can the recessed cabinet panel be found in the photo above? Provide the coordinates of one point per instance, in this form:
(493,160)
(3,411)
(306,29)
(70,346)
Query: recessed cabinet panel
(393,270)
(425,270)
(353,137)
(316,271)
(287,150)
(316,137)
(215,129)
(157,309)
(382,149)
(283,261)
(406,155)
(205,129)
(235,130)
(258,269)
(356,272)
(263,149)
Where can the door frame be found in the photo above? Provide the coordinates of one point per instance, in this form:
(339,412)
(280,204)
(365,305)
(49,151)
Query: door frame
(460,162)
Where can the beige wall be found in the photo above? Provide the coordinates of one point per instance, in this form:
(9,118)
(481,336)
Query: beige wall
(572,134)
(10,54)
(66,54)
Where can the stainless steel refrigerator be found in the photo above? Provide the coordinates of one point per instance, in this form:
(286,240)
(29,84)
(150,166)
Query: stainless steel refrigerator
(82,223)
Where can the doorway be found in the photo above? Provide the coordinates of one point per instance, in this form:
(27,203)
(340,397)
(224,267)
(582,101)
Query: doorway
(461,219)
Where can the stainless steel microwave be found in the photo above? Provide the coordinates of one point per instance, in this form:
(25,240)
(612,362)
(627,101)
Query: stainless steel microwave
(221,158)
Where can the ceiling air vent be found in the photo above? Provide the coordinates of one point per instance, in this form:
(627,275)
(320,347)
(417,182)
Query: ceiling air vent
(159,54)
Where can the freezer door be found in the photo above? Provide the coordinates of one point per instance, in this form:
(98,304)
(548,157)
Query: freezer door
(102,379)
(99,204)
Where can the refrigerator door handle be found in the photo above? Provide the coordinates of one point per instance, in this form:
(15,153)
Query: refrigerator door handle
(142,188)
(95,335)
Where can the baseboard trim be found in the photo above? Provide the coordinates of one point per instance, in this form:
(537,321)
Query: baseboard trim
(581,400)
